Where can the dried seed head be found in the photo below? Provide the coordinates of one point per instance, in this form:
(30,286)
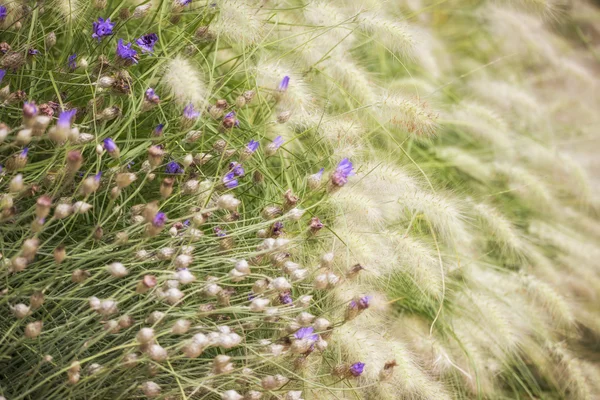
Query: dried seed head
(33,329)
(60,253)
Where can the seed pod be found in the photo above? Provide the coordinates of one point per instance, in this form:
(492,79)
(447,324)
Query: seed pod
(33,329)
(60,254)
(79,275)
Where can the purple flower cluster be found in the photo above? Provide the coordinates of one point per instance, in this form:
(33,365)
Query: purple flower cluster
(252,146)
(126,53)
(102,28)
(151,96)
(189,112)
(342,172)
(72,61)
(3,13)
(109,145)
(306,333)
(173,167)
(159,219)
(147,42)
(357,369)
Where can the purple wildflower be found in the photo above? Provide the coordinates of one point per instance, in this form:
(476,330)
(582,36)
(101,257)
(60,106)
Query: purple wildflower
(30,110)
(319,174)
(229,180)
(33,52)
(342,172)
(278,142)
(306,333)
(252,146)
(173,167)
(147,42)
(159,219)
(220,232)
(229,120)
(98,176)
(363,302)
(73,61)
(109,145)
(189,112)
(2,74)
(24,152)
(65,118)
(151,96)
(183,2)
(277,228)
(357,369)
(236,168)
(3,13)
(102,28)
(286,298)
(283,85)
(158,131)
(126,53)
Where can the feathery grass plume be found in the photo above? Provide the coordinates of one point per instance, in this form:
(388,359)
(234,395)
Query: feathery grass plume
(509,240)
(184,82)
(69,9)
(369,340)
(444,214)
(568,370)
(410,114)
(483,124)
(238,22)
(548,298)
(465,162)
(528,186)
(397,37)
(352,81)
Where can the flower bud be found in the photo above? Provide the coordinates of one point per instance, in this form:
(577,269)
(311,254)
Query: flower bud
(79,276)
(60,254)
(81,207)
(228,202)
(24,136)
(280,284)
(36,300)
(63,210)
(145,335)
(20,310)
(181,326)
(231,395)
(184,275)
(150,388)
(155,156)
(259,304)
(157,353)
(125,179)
(50,40)
(173,296)
(33,329)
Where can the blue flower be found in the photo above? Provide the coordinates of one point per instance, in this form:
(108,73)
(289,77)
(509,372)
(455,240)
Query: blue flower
(3,13)
(229,181)
(189,112)
(102,28)
(126,53)
(151,96)
(283,85)
(109,145)
(174,168)
(159,219)
(357,369)
(147,42)
(236,168)
(278,141)
(285,298)
(342,172)
(252,146)
(24,152)
(65,118)
(2,74)
(73,61)
(158,131)
(306,333)
(98,176)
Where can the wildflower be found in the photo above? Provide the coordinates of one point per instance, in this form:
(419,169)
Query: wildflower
(33,52)
(158,131)
(147,42)
(73,61)
(126,53)
(340,176)
(33,329)
(220,232)
(236,168)
(230,121)
(74,161)
(274,146)
(314,181)
(111,147)
(189,112)
(286,298)
(174,168)
(315,225)
(228,202)
(151,97)
(357,369)
(117,270)
(102,28)
(91,184)
(2,74)
(155,156)
(159,220)
(283,85)
(29,110)
(229,180)
(306,333)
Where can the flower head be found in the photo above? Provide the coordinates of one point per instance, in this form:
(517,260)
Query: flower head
(65,118)
(252,146)
(229,120)
(173,167)
(236,168)
(110,145)
(286,298)
(98,176)
(33,52)
(30,109)
(151,96)
(3,13)
(278,142)
(283,85)
(342,172)
(126,53)
(147,42)
(102,28)
(357,369)
(24,152)
(229,180)
(306,333)
(72,61)
(2,74)
(189,112)
(158,131)
(159,219)
(220,232)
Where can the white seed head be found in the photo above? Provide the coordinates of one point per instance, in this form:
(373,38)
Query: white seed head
(281,284)
(157,353)
(63,210)
(151,389)
(117,270)
(259,304)
(16,184)
(228,202)
(184,276)
(145,335)
(231,395)
(173,296)
(295,214)
(21,310)
(181,326)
